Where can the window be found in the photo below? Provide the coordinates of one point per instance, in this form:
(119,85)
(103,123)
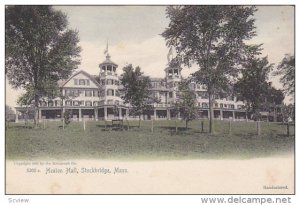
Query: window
(170,94)
(110,92)
(176,71)
(110,102)
(216,105)
(95,103)
(225,105)
(204,105)
(117,102)
(103,82)
(75,81)
(75,103)
(68,92)
(68,102)
(50,103)
(88,93)
(109,82)
(240,106)
(75,93)
(88,103)
(221,105)
(81,103)
(95,93)
(101,93)
(232,106)
(81,82)
(58,103)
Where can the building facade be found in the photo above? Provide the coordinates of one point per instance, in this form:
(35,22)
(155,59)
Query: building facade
(99,97)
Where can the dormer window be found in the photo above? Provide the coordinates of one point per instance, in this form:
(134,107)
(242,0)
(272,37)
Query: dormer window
(81,82)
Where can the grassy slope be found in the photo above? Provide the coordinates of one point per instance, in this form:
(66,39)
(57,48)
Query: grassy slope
(140,144)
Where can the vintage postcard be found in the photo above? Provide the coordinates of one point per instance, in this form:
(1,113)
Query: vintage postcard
(150,99)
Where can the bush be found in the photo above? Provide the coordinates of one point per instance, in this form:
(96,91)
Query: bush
(67,117)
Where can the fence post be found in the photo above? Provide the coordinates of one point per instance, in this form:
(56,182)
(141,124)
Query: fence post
(84,124)
(44,124)
(258,127)
(202,126)
(152,125)
(176,128)
(230,127)
(63,123)
(288,129)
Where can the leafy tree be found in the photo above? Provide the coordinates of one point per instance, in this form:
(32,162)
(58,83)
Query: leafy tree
(137,91)
(10,115)
(211,37)
(40,50)
(286,69)
(186,103)
(288,113)
(253,87)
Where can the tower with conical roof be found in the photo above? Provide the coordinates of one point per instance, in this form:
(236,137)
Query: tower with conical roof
(173,77)
(109,82)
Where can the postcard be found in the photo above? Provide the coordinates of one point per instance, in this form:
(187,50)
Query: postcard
(173,99)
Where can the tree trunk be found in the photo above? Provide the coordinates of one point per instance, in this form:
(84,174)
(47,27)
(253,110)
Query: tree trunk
(211,113)
(36,110)
(140,121)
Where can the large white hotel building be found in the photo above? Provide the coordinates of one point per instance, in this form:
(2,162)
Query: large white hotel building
(96,98)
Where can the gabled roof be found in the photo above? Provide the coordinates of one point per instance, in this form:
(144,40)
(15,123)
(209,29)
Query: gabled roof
(63,82)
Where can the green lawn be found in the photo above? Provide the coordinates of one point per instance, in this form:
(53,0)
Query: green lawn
(97,142)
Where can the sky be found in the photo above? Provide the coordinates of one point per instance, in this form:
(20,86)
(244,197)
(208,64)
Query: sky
(133,35)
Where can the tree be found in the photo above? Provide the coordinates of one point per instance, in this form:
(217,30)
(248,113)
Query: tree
(136,91)
(40,50)
(10,115)
(186,103)
(286,69)
(212,37)
(253,87)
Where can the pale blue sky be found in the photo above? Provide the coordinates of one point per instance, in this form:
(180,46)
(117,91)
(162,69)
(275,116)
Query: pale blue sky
(133,33)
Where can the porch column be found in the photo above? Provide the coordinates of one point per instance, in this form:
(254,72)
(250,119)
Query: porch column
(233,115)
(105,113)
(96,114)
(17,115)
(79,111)
(168,114)
(221,114)
(154,114)
(40,115)
(120,113)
